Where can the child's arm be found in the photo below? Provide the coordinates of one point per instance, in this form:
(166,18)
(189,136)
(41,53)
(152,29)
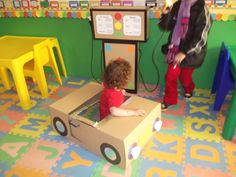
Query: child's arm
(121,112)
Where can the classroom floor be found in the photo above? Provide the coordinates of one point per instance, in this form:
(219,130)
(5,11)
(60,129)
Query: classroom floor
(189,144)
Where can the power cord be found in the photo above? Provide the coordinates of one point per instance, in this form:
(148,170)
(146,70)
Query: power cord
(154,63)
(102,64)
(91,63)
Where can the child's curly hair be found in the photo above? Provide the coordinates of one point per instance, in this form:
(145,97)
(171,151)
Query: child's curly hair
(117,73)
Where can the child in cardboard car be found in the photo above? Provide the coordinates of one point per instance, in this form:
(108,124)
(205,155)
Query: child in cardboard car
(115,78)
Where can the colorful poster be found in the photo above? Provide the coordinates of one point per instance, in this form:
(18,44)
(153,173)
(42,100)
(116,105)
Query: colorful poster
(104,24)
(132,25)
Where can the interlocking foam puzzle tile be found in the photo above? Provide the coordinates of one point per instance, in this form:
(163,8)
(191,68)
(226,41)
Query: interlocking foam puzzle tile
(223,110)
(205,93)
(21,171)
(2,89)
(234,138)
(162,93)
(61,92)
(156,168)
(205,154)
(75,82)
(51,78)
(8,119)
(3,168)
(202,129)
(43,152)
(76,161)
(50,134)
(172,124)
(172,151)
(200,110)
(33,89)
(221,114)
(51,89)
(2,134)
(42,107)
(32,125)
(16,107)
(37,94)
(201,99)
(106,169)
(7,100)
(56,175)
(178,109)
(147,90)
(164,147)
(230,153)
(192,171)
(13,147)
(9,91)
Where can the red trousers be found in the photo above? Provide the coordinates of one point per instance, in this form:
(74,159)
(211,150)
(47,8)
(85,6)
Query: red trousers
(171,78)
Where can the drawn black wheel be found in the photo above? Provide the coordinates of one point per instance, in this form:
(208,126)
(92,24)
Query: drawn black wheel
(60,126)
(110,153)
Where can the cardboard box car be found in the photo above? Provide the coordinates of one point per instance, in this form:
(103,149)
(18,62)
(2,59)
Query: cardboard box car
(117,139)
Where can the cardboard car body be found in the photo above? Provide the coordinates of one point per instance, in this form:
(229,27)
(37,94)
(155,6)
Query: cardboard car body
(117,139)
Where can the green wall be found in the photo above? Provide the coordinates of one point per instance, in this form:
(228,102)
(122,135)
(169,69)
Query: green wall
(76,42)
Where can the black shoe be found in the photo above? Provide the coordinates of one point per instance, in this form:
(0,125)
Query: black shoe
(164,106)
(188,95)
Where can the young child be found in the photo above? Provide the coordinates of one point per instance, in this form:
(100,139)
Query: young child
(115,78)
(189,22)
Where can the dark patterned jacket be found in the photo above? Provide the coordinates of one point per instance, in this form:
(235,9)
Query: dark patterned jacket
(195,43)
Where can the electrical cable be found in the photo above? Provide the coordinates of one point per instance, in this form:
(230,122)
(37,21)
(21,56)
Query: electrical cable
(154,63)
(102,64)
(91,63)
(153,54)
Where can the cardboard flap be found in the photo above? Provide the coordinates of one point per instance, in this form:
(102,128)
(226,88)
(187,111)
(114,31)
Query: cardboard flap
(84,120)
(71,101)
(121,127)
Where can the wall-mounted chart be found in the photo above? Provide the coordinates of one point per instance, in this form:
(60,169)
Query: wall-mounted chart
(120,23)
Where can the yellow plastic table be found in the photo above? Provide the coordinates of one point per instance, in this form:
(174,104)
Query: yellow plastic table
(14,53)
(54,44)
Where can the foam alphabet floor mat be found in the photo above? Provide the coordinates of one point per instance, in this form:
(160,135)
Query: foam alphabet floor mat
(190,143)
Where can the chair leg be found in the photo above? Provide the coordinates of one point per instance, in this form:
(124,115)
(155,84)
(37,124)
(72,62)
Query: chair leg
(53,65)
(5,78)
(218,73)
(41,80)
(55,44)
(230,122)
(220,97)
(21,87)
(223,81)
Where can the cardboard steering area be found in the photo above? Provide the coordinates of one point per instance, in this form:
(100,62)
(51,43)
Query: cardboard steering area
(117,139)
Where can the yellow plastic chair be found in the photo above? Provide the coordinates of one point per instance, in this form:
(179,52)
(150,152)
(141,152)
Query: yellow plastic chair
(55,44)
(52,43)
(15,52)
(4,78)
(43,56)
(52,61)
